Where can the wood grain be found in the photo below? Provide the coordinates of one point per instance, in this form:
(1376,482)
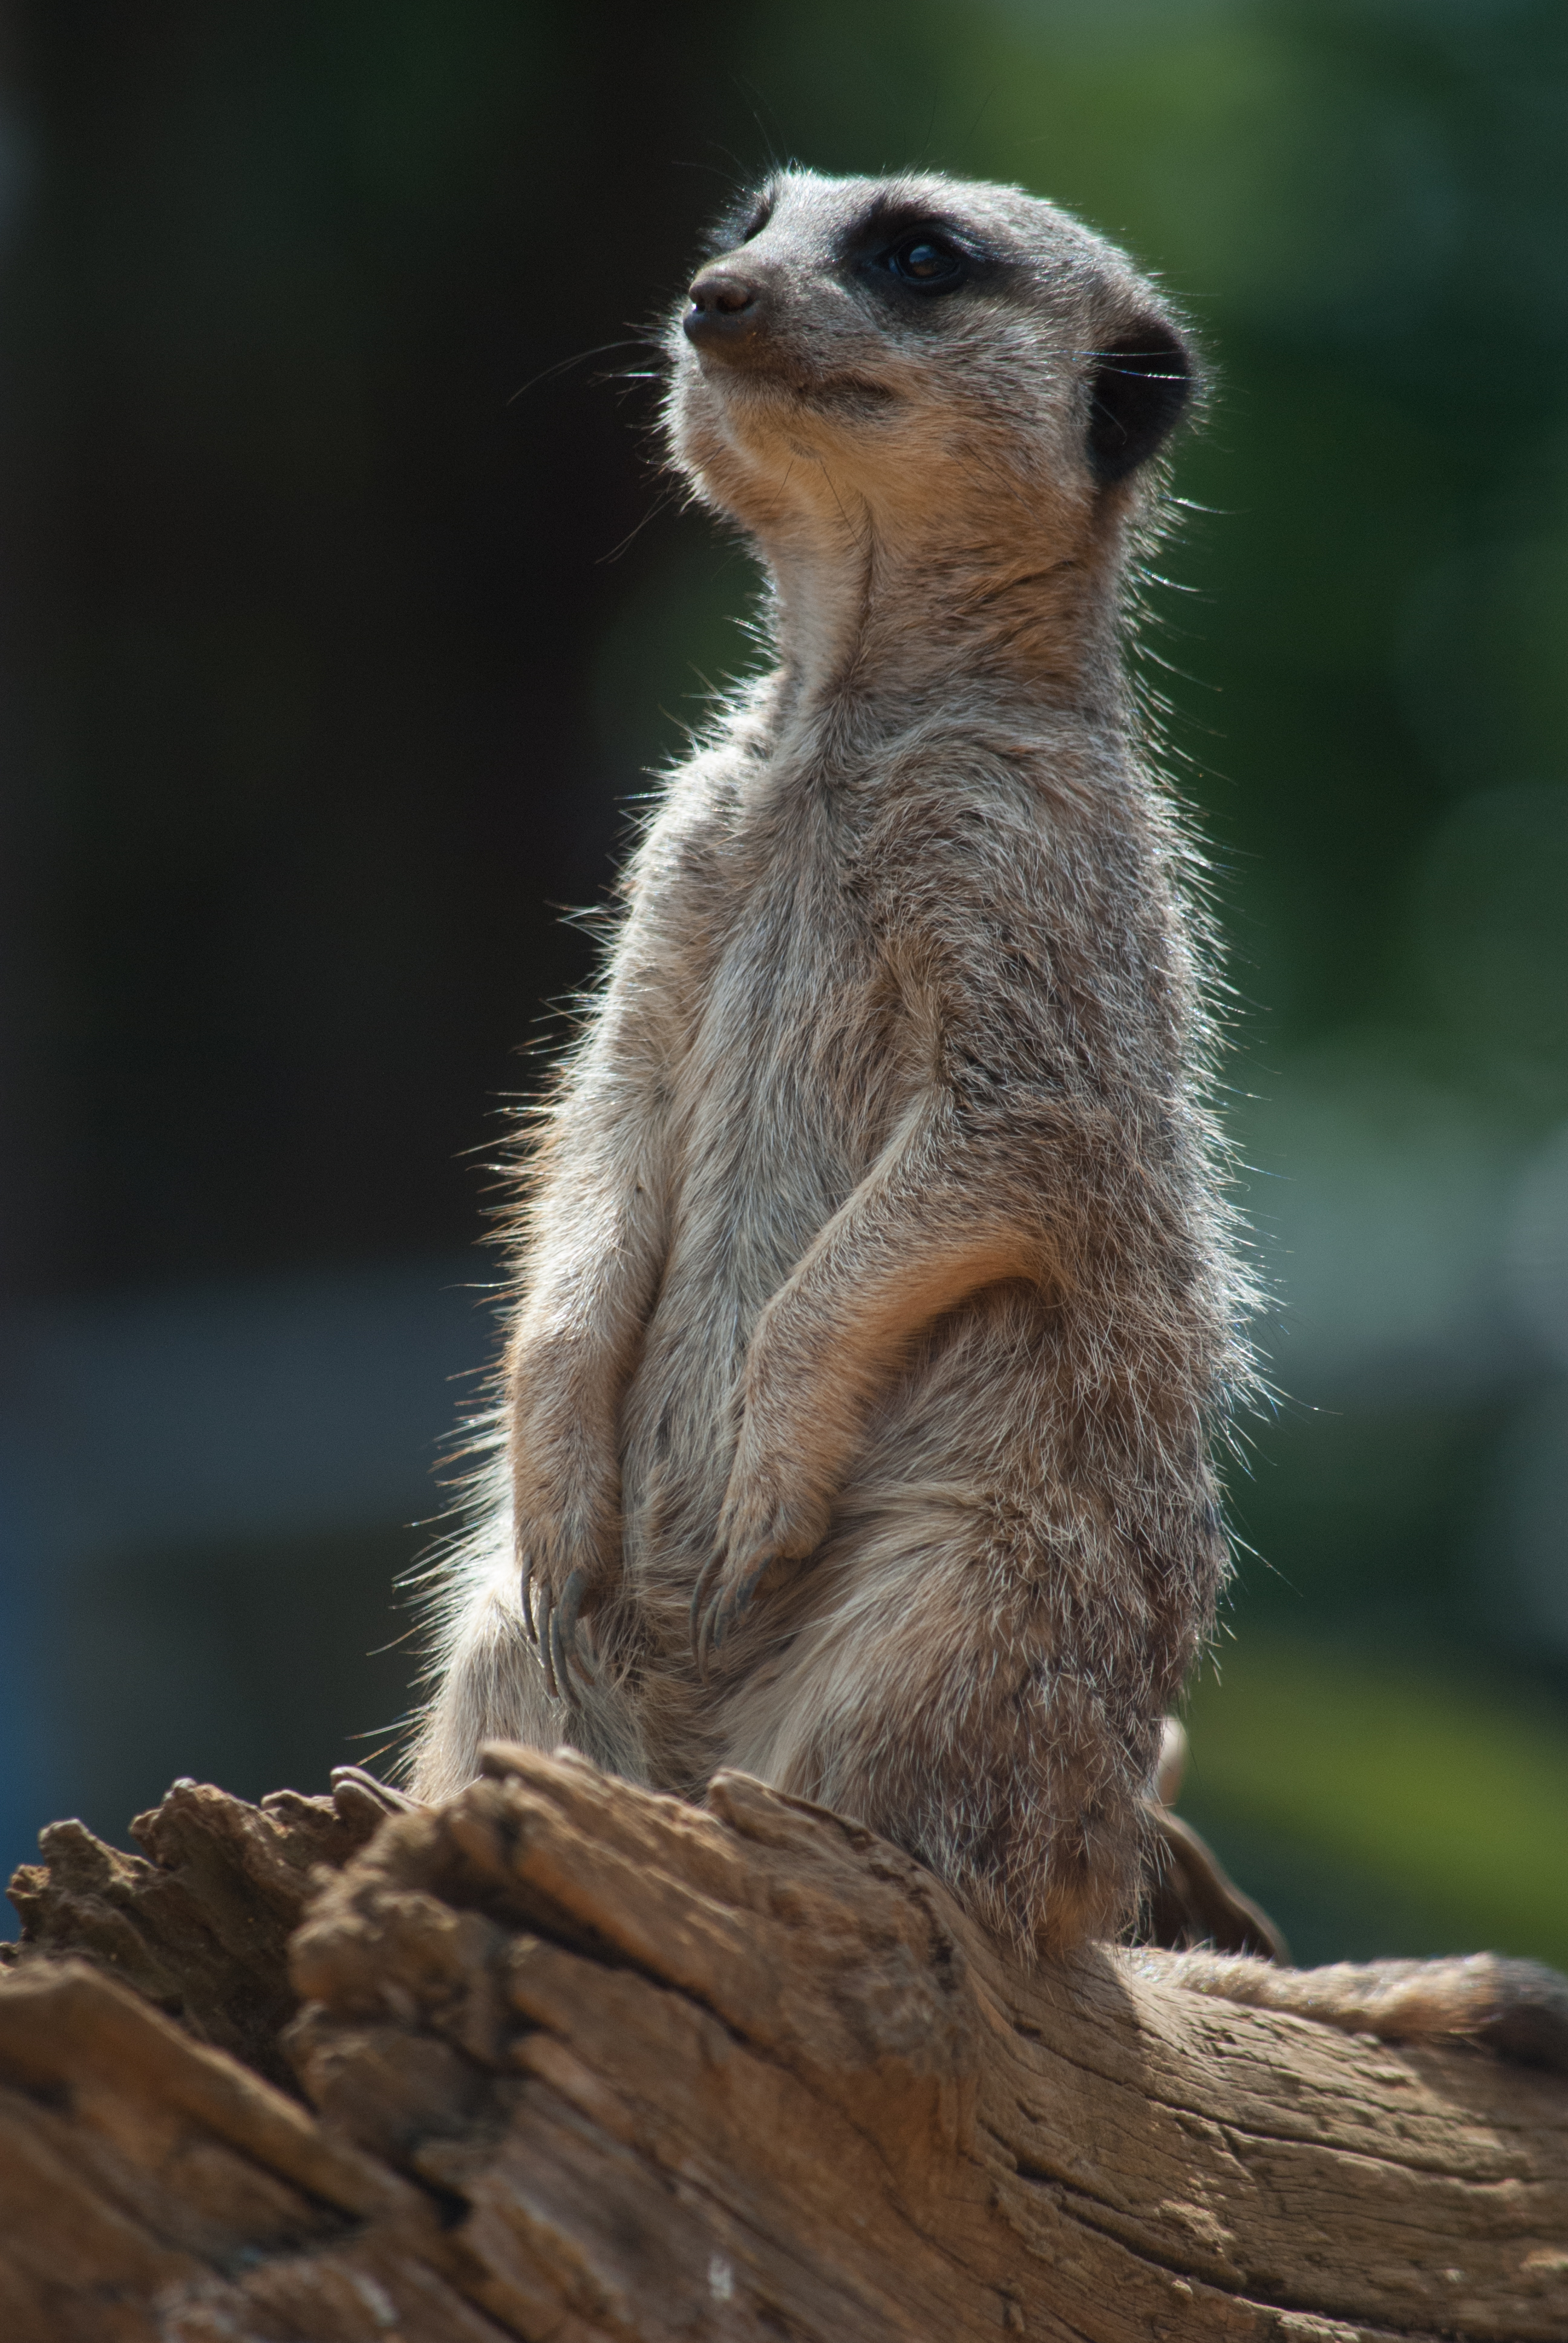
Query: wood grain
(585,2063)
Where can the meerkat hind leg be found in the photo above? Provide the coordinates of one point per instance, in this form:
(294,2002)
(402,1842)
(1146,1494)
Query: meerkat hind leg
(947,1711)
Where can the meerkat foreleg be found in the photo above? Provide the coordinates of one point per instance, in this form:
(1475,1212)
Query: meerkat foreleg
(570,1355)
(912,1242)
(595,1237)
(545,1552)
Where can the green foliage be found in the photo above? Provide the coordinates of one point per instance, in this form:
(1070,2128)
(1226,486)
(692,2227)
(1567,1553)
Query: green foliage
(1447,1794)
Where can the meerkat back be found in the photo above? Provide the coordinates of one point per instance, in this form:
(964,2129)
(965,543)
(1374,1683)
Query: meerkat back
(875,1297)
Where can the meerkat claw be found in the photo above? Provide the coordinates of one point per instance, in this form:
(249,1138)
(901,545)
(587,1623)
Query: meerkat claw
(541,1604)
(739,1601)
(714,1615)
(561,1683)
(360,1796)
(556,1622)
(568,1634)
(702,1609)
(708,1641)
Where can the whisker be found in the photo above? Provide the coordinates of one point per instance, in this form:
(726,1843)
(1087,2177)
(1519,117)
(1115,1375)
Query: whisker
(661,503)
(561,366)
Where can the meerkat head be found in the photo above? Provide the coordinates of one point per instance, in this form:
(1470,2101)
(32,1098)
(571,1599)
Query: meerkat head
(917,356)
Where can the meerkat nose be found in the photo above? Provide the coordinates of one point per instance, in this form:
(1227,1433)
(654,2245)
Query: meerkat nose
(724,308)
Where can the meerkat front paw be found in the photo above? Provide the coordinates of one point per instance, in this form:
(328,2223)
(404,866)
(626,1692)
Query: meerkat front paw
(764,1524)
(553,1613)
(568,1565)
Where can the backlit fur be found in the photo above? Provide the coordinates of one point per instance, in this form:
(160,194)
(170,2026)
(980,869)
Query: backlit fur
(875,1235)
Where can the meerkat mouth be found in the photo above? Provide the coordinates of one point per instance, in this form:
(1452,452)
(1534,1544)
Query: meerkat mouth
(776,380)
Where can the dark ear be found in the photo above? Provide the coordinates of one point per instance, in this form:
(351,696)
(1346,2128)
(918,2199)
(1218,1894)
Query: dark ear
(1136,396)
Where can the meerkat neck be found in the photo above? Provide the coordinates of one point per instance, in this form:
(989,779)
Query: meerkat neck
(883,625)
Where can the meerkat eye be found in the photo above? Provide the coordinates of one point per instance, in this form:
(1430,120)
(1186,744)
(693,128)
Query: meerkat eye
(925,260)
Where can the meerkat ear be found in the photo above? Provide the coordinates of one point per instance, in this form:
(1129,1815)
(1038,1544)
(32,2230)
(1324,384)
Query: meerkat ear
(1136,396)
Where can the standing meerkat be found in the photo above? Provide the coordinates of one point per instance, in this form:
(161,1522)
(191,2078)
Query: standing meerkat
(877,1302)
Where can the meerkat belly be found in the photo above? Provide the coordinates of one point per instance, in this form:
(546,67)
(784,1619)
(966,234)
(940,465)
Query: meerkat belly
(800,1069)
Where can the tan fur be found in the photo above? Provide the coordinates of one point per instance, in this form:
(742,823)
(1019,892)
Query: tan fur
(1518,2008)
(873,1242)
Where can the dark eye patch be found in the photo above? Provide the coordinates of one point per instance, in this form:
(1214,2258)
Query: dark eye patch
(897,244)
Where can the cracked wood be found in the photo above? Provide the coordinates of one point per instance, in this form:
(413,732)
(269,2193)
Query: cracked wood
(582,2063)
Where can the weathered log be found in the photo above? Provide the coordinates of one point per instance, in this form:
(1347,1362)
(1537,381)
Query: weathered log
(200,1921)
(585,2063)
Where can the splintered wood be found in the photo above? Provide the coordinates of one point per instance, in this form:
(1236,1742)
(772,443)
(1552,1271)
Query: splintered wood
(582,2063)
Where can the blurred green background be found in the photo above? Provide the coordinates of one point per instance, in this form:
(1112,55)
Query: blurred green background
(344,610)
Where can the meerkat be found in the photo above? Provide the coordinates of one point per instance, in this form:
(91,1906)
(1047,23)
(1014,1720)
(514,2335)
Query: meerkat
(878,1303)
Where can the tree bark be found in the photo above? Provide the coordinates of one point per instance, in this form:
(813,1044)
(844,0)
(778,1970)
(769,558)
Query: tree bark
(567,2060)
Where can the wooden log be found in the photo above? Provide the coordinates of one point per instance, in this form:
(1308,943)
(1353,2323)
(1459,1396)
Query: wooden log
(583,2063)
(200,1921)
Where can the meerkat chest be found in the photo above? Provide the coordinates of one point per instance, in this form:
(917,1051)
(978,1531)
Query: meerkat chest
(800,1061)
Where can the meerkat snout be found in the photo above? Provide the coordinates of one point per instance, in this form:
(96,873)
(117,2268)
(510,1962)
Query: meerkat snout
(725,309)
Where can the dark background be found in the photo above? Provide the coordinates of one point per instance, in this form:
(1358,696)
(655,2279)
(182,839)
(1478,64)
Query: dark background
(344,610)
